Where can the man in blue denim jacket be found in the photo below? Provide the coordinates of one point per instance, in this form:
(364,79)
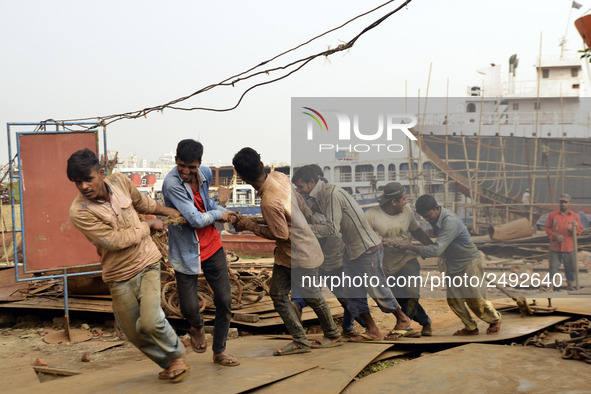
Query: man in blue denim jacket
(196,245)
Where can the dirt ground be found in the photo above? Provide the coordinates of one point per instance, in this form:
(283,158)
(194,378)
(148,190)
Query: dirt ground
(22,340)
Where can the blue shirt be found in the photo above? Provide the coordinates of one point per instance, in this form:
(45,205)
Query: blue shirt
(453,241)
(183,243)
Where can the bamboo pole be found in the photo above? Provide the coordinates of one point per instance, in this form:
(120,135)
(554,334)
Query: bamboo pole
(477,166)
(446,185)
(533,184)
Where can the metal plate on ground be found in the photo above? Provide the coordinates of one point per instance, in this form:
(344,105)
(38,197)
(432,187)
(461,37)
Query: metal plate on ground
(513,326)
(258,367)
(481,368)
(579,306)
(337,367)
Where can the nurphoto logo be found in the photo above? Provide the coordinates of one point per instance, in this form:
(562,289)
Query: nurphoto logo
(385,126)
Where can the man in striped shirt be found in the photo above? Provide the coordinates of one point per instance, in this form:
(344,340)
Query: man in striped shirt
(363,265)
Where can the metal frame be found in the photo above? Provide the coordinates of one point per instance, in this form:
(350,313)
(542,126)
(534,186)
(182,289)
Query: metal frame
(89,127)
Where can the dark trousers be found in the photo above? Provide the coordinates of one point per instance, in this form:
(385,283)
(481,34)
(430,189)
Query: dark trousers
(281,283)
(339,293)
(215,270)
(566,258)
(408,296)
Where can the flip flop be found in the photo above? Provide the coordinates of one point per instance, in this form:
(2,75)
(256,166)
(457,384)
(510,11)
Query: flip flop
(175,365)
(325,342)
(408,332)
(494,328)
(198,342)
(466,332)
(226,360)
(350,334)
(289,349)
(364,338)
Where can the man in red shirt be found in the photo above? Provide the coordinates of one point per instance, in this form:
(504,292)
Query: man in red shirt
(559,228)
(195,247)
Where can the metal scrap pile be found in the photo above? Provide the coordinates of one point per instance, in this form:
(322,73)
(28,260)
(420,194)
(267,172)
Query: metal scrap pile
(578,347)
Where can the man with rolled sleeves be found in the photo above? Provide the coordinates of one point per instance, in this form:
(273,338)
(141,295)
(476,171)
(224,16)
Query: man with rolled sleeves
(559,228)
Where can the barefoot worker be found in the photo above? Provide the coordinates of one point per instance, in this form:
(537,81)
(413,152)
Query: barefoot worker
(395,222)
(462,260)
(196,245)
(105,211)
(364,252)
(332,245)
(298,253)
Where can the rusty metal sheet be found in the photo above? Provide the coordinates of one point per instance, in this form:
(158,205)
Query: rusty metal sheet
(248,245)
(50,239)
(337,367)
(578,306)
(258,367)
(481,368)
(445,324)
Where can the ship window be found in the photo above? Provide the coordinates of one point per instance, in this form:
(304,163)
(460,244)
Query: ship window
(363,172)
(391,172)
(381,173)
(575,85)
(574,72)
(546,73)
(537,105)
(471,107)
(515,106)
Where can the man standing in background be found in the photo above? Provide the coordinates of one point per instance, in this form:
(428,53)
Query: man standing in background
(559,227)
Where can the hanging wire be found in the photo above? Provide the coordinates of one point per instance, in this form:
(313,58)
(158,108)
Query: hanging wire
(246,75)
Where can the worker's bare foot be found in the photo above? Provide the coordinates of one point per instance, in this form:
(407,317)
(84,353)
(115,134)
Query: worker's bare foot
(465,332)
(427,331)
(402,323)
(225,359)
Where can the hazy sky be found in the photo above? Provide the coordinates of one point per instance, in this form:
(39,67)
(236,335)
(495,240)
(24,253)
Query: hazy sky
(72,59)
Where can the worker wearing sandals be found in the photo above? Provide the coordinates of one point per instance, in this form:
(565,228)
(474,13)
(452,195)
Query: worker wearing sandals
(105,211)
(196,246)
(297,254)
(461,257)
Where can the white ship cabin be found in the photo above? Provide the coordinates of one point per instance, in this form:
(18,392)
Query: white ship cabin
(354,175)
(513,108)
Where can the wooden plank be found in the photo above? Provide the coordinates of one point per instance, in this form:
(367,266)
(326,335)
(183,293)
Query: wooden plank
(55,371)
(481,368)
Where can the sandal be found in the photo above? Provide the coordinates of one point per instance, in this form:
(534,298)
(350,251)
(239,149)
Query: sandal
(175,365)
(289,349)
(465,331)
(494,328)
(350,334)
(394,335)
(325,342)
(227,360)
(363,337)
(198,342)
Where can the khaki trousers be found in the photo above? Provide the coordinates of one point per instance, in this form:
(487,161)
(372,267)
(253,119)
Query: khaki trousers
(474,297)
